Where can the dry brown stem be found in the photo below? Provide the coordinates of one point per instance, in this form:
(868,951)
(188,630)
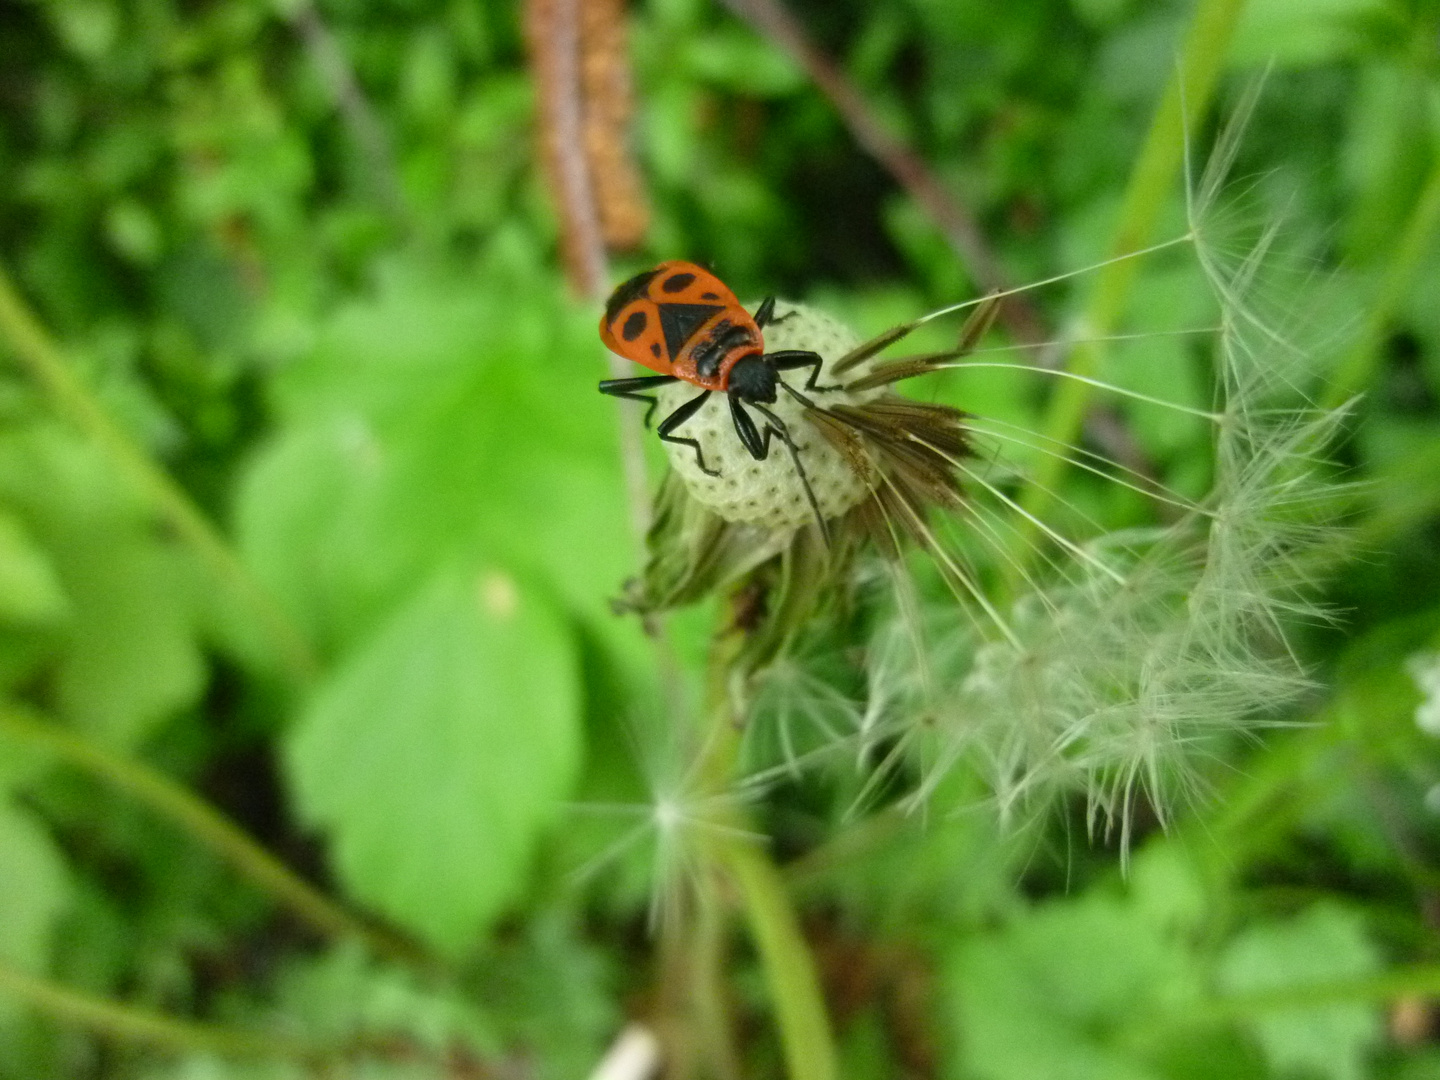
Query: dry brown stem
(553,29)
(954,219)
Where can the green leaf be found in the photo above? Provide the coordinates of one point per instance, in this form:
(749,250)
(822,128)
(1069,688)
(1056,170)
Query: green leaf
(344,996)
(34,885)
(735,59)
(1052,993)
(131,656)
(1325,944)
(128,656)
(440,749)
(439,421)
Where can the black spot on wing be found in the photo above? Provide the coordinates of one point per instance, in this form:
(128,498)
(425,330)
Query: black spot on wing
(680,321)
(655,349)
(634,326)
(677,283)
(709,296)
(626,292)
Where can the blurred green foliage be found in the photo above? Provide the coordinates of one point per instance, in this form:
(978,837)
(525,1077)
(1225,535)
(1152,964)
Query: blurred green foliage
(333,310)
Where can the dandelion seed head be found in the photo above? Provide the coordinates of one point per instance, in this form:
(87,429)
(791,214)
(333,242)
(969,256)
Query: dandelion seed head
(768,493)
(1130,658)
(667,814)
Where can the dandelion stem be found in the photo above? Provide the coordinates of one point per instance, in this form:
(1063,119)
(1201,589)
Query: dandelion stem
(789,967)
(1154,172)
(209,827)
(115,1020)
(42,357)
(712,1014)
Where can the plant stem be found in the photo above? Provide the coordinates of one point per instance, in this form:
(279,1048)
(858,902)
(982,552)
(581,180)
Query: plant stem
(553,32)
(1420,979)
(1151,179)
(1358,369)
(956,220)
(709,1005)
(128,1023)
(210,828)
(789,966)
(790,969)
(42,358)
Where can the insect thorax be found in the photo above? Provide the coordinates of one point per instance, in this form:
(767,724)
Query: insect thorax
(720,341)
(753,378)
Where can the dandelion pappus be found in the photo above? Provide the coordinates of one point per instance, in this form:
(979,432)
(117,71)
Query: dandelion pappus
(682,321)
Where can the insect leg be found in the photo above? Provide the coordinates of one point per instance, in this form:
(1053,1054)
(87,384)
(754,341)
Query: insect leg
(750,436)
(678,417)
(765,314)
(776,426)
(630,388)
(791,359)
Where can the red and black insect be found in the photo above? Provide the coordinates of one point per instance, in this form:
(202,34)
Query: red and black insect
(684,322)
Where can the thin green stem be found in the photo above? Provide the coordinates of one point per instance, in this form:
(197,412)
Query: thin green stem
(1151,181)
(1417,238)
(790,969)
(127,1023)
(709,1004)
(789,966)
(1420,979)
(209,827)
(43,359)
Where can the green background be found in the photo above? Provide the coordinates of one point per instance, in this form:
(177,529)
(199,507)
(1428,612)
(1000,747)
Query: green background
(355,350)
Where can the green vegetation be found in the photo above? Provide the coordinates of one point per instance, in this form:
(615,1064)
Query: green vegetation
(325,749)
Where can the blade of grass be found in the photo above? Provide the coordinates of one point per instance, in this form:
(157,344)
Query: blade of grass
(114,1020)
(39,354)
(1417,239)
(210,828)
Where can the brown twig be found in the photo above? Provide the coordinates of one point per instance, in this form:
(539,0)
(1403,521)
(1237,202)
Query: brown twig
(609,107)
(1020,317)
(955,220)
(553,30)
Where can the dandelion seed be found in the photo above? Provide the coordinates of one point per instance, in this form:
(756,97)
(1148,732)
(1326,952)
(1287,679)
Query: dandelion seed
(671,830)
